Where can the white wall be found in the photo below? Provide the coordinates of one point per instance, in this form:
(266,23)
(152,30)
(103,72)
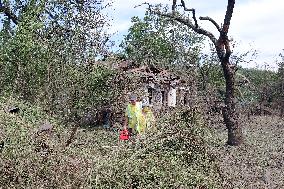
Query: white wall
(172,97)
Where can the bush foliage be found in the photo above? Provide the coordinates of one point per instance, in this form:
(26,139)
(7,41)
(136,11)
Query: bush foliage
(175,156)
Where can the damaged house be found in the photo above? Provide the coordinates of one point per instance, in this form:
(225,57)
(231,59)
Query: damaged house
(160,88)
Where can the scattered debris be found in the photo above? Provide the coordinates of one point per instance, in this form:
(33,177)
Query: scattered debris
(46,127)
(1,146)
(72,136)
(14,110)
(43,149)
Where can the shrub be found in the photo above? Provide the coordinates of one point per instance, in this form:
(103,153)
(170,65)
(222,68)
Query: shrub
(175,156)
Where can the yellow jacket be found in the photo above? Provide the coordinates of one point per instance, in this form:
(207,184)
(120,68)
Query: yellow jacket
(146,120)
(133,113)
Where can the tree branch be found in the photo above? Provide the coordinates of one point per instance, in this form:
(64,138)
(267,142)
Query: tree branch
(225,29)
(222,45)
(149,6)
(228,17)
(174,5)
(212,21)
(193,12)
(188,23)
(7,11)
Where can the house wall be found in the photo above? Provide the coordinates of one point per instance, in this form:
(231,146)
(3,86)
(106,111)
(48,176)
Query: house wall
(172,97)
(164,95)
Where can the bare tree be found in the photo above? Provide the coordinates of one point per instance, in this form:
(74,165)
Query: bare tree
(222,47)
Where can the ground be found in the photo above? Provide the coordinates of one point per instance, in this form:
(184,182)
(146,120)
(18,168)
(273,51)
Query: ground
(259,162)
(95,155)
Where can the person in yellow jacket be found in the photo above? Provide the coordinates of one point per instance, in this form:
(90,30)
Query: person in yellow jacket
(132,114)
(146,119)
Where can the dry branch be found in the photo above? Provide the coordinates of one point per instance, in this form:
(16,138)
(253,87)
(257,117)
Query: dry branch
(188,23)
(212,21)
(190,10)
(72,136)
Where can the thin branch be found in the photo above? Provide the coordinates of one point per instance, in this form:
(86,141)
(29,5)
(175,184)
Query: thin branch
(7,11)
(149,6)
(174,5)
(188,23)
(183,5)
(191,10)
(212,21)
(72,136)
(194,17)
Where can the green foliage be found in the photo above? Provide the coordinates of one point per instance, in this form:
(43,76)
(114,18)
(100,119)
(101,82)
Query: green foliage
(161,42)
(210,77)
(258,77)
(253,85)
(176,155)
(257,85)
(32,159)
(146,41)
(280,84)
(211,74)
(23,54)
(48,58)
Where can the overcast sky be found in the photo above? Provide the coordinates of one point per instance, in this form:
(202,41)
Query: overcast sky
(256,24)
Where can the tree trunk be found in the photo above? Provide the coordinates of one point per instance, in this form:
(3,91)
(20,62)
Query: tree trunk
(222,46)
(230,113)
(282,108)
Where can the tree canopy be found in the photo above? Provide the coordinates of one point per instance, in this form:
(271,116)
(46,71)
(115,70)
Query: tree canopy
(161,42)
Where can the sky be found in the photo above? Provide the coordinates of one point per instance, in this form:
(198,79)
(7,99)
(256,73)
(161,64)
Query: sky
(255,25)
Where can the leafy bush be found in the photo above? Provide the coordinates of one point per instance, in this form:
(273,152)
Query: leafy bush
(175,156)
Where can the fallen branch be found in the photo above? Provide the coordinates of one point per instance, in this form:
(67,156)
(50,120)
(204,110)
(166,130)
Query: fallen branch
(72,136)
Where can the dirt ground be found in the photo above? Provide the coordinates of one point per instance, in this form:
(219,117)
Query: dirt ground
(259,162)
